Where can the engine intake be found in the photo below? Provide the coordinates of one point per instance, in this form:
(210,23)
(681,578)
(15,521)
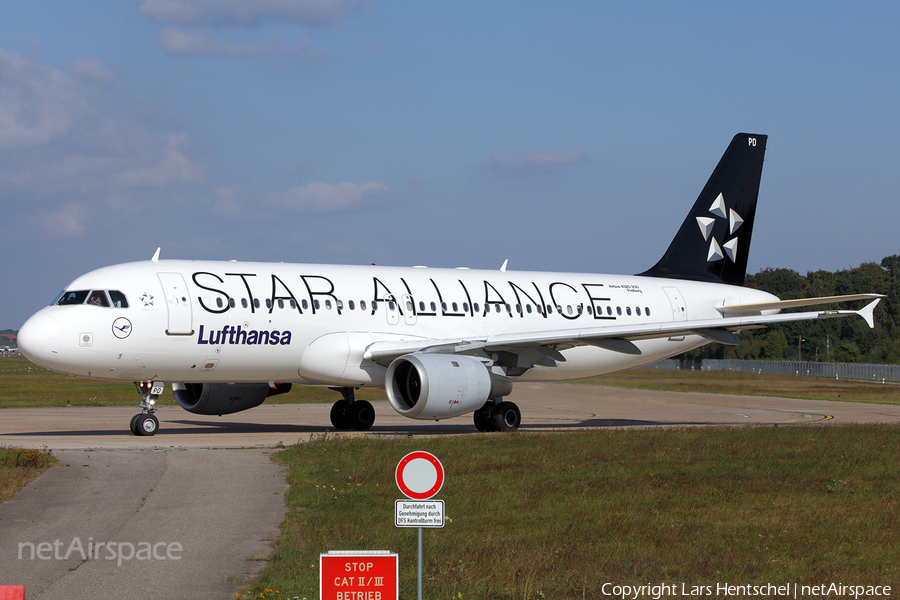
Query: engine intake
(440,386)
(224,398)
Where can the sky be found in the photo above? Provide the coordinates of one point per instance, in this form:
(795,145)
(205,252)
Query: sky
(563,136)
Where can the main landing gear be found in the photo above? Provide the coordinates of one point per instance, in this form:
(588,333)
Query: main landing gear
(351,413)
(146,422)
(497,415)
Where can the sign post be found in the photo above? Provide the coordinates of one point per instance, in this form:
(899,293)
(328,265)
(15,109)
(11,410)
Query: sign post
(420,476)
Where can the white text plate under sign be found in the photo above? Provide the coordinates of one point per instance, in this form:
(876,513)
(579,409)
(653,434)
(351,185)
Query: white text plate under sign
(419,513)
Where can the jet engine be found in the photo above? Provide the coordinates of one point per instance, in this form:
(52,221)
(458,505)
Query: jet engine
(224,398)
(439,386)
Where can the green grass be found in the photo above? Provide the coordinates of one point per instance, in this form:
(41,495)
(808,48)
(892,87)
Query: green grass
(19,466)
(558,515)
(730,382)
(23,384)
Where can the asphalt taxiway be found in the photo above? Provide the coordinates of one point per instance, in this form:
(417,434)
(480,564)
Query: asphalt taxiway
(544,407)
(207,485)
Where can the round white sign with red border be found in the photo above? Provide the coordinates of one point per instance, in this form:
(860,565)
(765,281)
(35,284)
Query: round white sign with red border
(419,475)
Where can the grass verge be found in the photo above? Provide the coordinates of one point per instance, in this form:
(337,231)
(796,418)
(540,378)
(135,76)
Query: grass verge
(23,384)
(19,466)
(559,515)
(751,384)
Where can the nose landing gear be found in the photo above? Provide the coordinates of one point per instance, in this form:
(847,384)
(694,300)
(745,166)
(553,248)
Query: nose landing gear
(146,422)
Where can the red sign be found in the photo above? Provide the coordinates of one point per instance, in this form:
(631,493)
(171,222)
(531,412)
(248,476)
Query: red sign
(419,475)
(359,576)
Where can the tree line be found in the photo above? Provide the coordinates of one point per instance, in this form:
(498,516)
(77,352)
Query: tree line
(833,340)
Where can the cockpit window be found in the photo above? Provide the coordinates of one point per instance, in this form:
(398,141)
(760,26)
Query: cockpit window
(98,298)
(72,297)
(118,299)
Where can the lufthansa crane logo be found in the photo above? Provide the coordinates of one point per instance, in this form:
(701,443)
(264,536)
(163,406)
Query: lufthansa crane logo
(121,328)
(729,248)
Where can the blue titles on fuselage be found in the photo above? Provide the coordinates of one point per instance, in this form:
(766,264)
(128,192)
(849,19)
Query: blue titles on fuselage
(238,336)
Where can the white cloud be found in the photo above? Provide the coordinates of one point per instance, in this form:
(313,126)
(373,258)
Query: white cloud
(521,164)
(320,197)
(36,102)
(93,71)
(177,41)
(68,220)
(68,146)
(247,13)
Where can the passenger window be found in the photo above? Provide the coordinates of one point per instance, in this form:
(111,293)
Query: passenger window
(339,304)
(280,303)
(421,306)
(609,310)
(646,311)
(98,298)
(244,303)
(638,310)
(269,303)
(509,309)
(475,306)
(256,303)
(433,307)
(455,307)
(316,304)
(231,303)
(219,302)
(362,305)
(619,310)
(351,304)
(519,308)
(497,307)
(118,299)
(528,308)
(304,304)
(391,304)
(328,304)
(465,307)
(293,304)
(589,310)
(549,310)
(569,308)
(628,310)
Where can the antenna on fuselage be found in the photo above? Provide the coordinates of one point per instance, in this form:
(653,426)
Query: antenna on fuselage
(503,268)
(156,255)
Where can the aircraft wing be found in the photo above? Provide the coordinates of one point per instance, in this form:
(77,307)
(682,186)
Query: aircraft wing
(534,347)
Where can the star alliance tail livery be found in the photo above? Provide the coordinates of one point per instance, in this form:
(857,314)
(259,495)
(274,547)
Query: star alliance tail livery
(442,342)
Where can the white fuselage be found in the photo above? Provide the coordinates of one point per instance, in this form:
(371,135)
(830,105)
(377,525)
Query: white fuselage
(226,322)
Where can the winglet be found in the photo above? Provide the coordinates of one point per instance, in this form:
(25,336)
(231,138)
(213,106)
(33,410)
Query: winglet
(868,313)
(156,255)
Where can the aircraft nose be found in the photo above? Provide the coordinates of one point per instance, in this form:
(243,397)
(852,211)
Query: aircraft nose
(38,339)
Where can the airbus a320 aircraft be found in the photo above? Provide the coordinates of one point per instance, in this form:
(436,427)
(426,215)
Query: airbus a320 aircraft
(442,342)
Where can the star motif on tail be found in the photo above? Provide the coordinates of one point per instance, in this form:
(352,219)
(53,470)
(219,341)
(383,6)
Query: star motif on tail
(706,224)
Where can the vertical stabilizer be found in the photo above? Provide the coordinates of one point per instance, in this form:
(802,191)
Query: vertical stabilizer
(714,240)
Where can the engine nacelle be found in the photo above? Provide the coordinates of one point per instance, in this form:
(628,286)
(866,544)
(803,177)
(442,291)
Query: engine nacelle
(440,386)
(223,398)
